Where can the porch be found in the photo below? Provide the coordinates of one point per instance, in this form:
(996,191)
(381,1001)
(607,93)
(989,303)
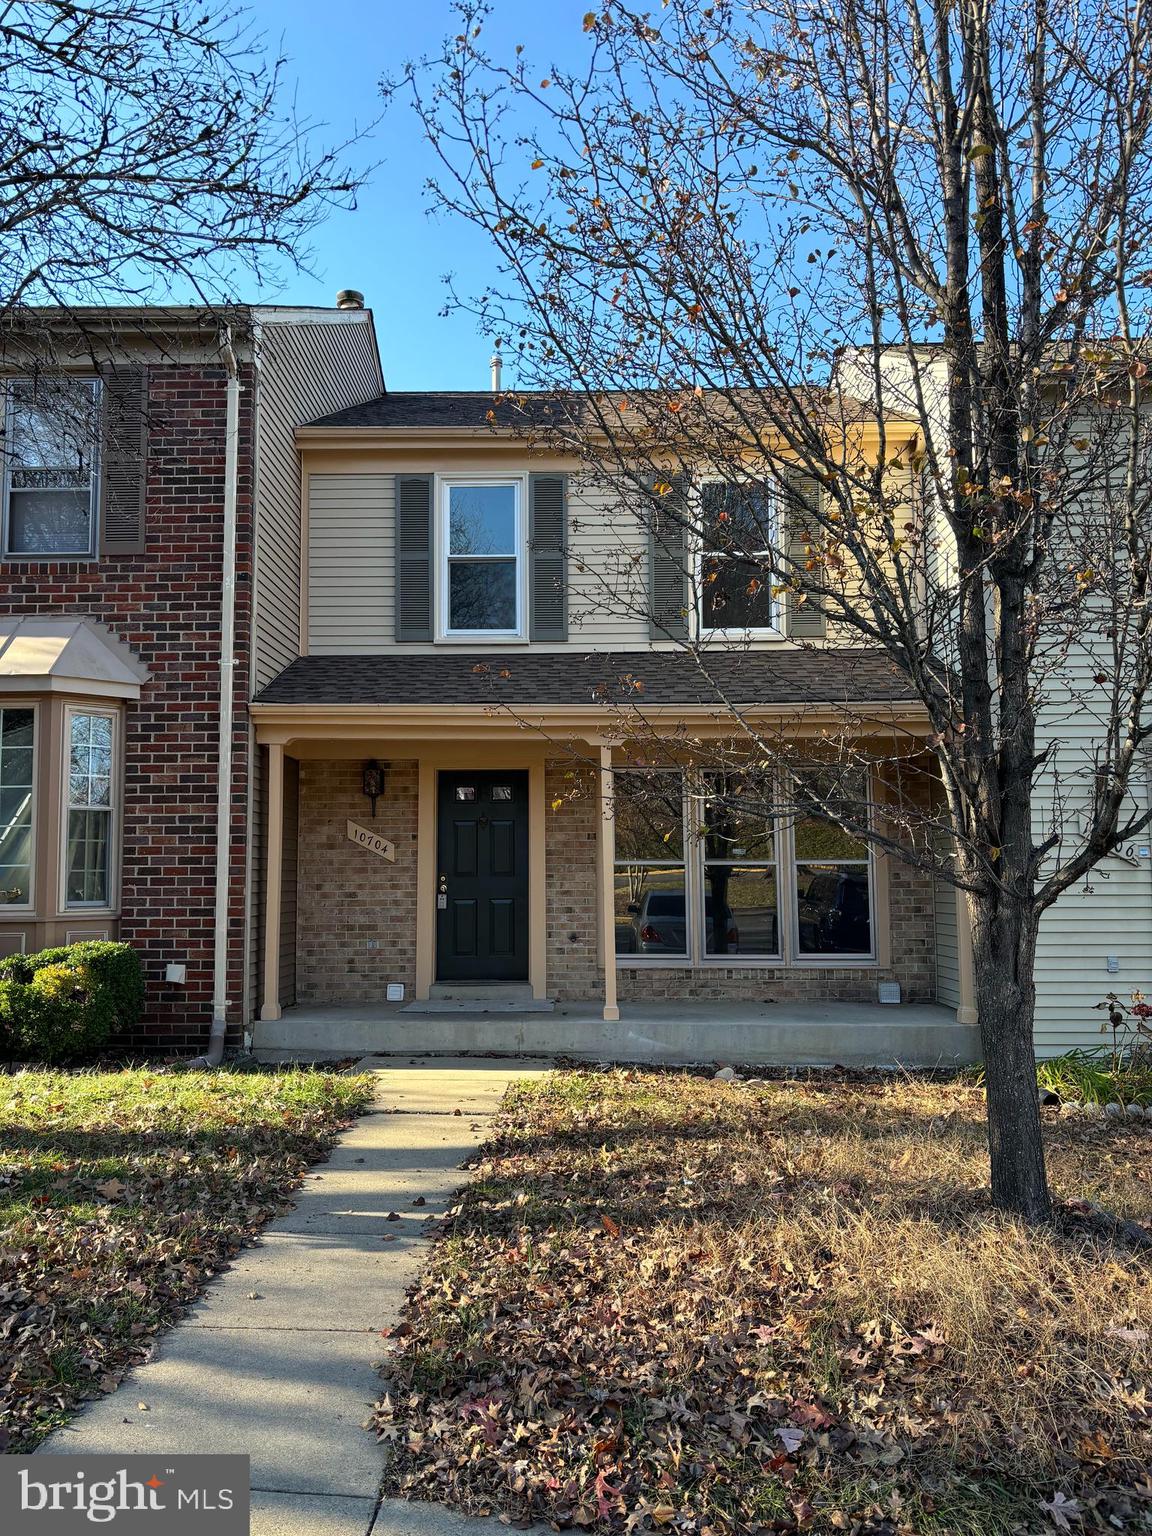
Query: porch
(412,846)
(847,1034)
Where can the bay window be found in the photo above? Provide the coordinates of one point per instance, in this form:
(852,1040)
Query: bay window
(482,564)
(89,810)
(738,529)
(17,741)
(709,869)
(51,463)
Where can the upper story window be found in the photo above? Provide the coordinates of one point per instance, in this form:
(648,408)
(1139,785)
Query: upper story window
(738,523)
(17,728)
(482,565)
(51,464)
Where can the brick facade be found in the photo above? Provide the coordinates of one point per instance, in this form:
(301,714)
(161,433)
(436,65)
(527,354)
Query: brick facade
(357,916)
(165,605)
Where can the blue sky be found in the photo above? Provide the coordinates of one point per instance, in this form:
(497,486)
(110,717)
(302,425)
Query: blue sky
(392,248)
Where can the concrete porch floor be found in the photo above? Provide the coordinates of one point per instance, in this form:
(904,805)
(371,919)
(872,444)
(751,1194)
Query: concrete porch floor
(777,1034)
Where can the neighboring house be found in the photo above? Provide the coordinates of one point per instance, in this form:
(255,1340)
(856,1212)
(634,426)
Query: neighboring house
(475,620)
(148,452)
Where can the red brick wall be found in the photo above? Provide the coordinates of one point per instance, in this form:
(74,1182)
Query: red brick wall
(165,604)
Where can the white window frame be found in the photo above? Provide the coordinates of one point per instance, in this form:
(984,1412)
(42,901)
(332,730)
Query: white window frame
(91,552)
(444,486)
(772,631)
(698,828)
(789,955)
(114,810)
(23,908)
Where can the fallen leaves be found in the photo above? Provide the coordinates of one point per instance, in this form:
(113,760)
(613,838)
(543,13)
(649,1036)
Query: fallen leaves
(122,1194)
(773,1329)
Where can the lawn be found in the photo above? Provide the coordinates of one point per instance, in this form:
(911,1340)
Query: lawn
(121,1194)
(668,1303)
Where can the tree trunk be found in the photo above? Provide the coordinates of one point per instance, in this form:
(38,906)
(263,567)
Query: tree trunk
(1003,955)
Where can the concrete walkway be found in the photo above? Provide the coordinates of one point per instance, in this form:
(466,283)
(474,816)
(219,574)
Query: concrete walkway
(279,1359)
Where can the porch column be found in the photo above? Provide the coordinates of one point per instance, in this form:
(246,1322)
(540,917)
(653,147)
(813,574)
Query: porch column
(273,879)
(606,848)
(966,1013)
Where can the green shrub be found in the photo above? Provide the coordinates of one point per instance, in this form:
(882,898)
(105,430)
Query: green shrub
(66,1001)
(1093,1077)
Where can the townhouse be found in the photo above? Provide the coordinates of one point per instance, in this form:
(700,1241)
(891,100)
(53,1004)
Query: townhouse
(339,704)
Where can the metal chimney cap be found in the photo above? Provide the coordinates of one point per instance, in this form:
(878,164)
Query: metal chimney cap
(349,298)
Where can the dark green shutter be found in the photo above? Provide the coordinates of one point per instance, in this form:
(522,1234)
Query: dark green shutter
(123,460)
(667,566)
(414,551)
(805,622)
(547,561)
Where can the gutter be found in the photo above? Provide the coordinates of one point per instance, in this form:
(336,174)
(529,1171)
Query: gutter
(214,1054)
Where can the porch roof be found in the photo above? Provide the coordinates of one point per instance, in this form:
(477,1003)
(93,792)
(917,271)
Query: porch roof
(793,676)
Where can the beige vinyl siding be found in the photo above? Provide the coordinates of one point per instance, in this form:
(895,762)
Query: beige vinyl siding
(947,945)
(306,371)
(351,563)
(352,577)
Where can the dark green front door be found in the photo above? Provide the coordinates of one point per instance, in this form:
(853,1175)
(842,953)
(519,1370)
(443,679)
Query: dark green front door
(482,877)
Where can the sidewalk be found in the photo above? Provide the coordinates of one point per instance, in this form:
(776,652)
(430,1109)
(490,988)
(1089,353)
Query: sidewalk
(279,1358)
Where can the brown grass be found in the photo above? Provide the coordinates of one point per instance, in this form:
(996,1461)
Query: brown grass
(678,1304)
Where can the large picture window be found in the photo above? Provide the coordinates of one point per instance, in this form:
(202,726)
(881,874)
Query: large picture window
(708,868)
(51,459)
(738,524)
(651,894)
(481,571)
(17,730)
(90,809)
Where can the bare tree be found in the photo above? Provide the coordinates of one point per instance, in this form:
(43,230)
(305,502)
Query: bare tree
(148,152)
(890,257)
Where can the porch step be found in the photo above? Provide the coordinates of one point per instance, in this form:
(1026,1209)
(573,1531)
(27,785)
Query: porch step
(481,997)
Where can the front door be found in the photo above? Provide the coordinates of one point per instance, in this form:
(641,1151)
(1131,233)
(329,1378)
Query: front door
(482,877)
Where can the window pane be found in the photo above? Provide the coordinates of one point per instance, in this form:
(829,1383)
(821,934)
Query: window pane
(482,520)
(16,727)
(651,911)
(834,910)
(501,791)
(737,817)
(52,425)
(740,911)
(735,594)
(649,815)
(15,885)
(87,877)
(837,785)
(465,791)
(737,517)
(482,596)
(50,522)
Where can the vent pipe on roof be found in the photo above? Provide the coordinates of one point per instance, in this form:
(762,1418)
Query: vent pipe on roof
(349,298)
(496,362)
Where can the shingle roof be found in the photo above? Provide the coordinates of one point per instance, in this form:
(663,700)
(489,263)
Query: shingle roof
(791,676)
(445,408)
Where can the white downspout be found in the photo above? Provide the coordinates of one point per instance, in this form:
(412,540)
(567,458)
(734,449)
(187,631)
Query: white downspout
(213,1056)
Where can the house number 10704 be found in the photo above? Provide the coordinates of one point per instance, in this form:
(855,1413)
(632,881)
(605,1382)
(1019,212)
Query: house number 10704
(372,841)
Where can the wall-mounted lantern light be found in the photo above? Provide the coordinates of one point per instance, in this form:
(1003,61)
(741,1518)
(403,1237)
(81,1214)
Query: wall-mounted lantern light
(373,779)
